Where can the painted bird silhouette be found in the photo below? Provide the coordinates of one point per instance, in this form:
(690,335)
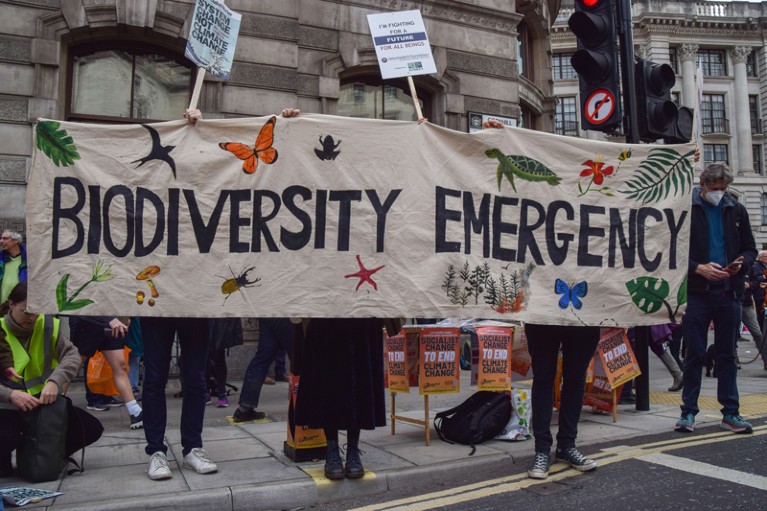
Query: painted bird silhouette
(158,152)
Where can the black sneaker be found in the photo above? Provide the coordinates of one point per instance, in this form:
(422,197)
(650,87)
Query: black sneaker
(540,467)
(98,407)
(114,403)
(250,415)
(137,422)
(576,460)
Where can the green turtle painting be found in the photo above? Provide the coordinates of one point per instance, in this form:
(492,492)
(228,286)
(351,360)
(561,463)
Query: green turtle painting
(525,168)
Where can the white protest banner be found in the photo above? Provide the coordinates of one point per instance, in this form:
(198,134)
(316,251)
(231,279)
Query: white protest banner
(212,37)
(401,44)
(259,217)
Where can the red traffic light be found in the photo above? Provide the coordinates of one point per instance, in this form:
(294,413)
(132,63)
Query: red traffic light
(589,3)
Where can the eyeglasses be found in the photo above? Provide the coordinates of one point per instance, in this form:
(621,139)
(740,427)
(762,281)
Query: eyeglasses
(5,237)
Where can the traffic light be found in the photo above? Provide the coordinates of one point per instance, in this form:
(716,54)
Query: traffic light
(657,114)
(681,131)
(596,62)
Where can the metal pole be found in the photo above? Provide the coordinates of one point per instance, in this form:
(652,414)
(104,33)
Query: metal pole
(626,37)
(631,128)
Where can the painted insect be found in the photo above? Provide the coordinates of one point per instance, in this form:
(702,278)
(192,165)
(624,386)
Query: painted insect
(570,295)
(261,150)
(523,167)
(625,155)
(237,282)
(328,151)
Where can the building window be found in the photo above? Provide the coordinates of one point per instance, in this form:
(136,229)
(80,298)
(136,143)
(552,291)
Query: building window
(675,98)
(757,150)
(752,69)
(370,98)
(561,67)
(753,110)
(715,153)
(121,84)
(713,62)
(673,60)
(525,52)
(764,209)
(566,117)
(714,117)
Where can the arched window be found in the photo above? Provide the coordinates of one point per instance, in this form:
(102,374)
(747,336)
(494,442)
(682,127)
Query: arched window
(371,98)
(126,83)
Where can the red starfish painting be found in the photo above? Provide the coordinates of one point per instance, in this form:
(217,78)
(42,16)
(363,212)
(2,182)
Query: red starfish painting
(364,275)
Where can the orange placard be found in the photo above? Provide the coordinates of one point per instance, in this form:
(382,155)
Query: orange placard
(396,362)
(439,356)
(495,344)
(301,437)
(617,357)
(412,355)
(521,363)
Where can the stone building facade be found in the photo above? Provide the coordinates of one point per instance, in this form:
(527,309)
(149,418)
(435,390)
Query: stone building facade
(123,61)
(728,41)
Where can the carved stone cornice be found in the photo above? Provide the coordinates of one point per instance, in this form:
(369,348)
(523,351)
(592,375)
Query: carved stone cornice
(450,11)
(739,54)
(688,52)
(643,52)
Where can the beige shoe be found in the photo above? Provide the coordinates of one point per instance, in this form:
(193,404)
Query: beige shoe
(269,381)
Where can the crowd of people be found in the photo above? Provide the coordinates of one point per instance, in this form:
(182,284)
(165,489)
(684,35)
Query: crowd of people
(342,383)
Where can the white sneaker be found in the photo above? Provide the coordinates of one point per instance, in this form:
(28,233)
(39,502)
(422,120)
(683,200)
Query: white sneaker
(158,467)
(198,460)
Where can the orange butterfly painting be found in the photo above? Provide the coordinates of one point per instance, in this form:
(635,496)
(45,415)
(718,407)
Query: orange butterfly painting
(262,150)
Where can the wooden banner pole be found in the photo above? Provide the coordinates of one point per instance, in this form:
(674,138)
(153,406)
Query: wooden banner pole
(414,94)
(197,88)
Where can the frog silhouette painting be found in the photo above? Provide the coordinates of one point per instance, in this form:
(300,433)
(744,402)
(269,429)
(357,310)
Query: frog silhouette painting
(328,151)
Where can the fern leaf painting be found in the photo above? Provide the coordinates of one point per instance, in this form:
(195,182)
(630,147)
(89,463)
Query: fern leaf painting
(56,143)
(662,171)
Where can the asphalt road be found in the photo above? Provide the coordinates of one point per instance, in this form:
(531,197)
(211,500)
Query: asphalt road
(709,469)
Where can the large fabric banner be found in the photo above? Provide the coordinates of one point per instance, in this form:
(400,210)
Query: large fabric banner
(322,216)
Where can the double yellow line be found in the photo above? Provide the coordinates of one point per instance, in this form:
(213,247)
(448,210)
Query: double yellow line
(557,472)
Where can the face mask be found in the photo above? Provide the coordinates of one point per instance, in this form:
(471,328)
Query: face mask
(714,197)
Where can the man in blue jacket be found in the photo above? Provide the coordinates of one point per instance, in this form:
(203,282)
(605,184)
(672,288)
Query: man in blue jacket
(722,249)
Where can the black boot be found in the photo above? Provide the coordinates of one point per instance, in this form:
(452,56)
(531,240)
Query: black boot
(334,467)
(354,468)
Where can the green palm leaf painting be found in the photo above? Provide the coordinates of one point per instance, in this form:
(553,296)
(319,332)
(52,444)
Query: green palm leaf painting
(56,143)
(662,171)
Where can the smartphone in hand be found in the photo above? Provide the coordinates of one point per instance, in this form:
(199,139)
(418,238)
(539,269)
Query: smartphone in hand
(735,265)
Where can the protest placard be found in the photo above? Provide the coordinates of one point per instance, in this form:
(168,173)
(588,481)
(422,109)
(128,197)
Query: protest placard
(495,349)
(397,362)
(401,44)
(616,357)
(439,361)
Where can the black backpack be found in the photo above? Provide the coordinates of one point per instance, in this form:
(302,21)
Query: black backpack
(479,418)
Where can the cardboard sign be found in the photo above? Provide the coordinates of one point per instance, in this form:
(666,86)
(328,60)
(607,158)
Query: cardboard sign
(616,357)
(401,44)
(397,363)
(495,349)
(521,363)
(213,37)
(599,392)
(439,355)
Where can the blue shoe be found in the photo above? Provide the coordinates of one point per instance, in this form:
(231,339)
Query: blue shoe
(686,423)
(736,424)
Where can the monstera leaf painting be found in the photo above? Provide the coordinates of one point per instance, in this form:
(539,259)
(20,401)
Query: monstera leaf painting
(56,143)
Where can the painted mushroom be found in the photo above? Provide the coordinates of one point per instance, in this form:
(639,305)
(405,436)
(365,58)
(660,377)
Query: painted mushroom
(148,274)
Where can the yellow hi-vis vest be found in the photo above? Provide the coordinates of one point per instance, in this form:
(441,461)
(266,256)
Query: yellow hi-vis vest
(37,363)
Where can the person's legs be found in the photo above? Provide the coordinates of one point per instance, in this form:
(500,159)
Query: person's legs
(354,468)
(727,316)
(134,362)
(116,360)
(272,336)
(280,369)
(10,435)
(334,467)
(193,338)
(218,357)
(543,343)
(158,343)
(695,325)
(578,349)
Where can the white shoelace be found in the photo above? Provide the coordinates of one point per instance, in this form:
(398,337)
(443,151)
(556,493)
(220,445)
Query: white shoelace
(159,462)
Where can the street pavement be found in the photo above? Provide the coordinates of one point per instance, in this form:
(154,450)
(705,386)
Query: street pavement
(255,474)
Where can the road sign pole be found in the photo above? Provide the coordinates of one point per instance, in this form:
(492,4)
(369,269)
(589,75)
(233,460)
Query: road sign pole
(626,38)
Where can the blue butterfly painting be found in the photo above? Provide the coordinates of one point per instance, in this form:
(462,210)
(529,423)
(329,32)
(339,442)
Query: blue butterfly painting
(570,295)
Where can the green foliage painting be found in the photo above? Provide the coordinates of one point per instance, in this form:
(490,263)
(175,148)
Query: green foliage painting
(56,143)
(664,169)
(504,293)
(100,273)
(649,295)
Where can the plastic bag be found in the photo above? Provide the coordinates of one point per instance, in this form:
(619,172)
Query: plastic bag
(518,427)
(100,377)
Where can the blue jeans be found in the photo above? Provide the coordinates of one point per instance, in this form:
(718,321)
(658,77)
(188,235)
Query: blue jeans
(578,346)
(274,334)
(133,369)
(725,311)
(158,344)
